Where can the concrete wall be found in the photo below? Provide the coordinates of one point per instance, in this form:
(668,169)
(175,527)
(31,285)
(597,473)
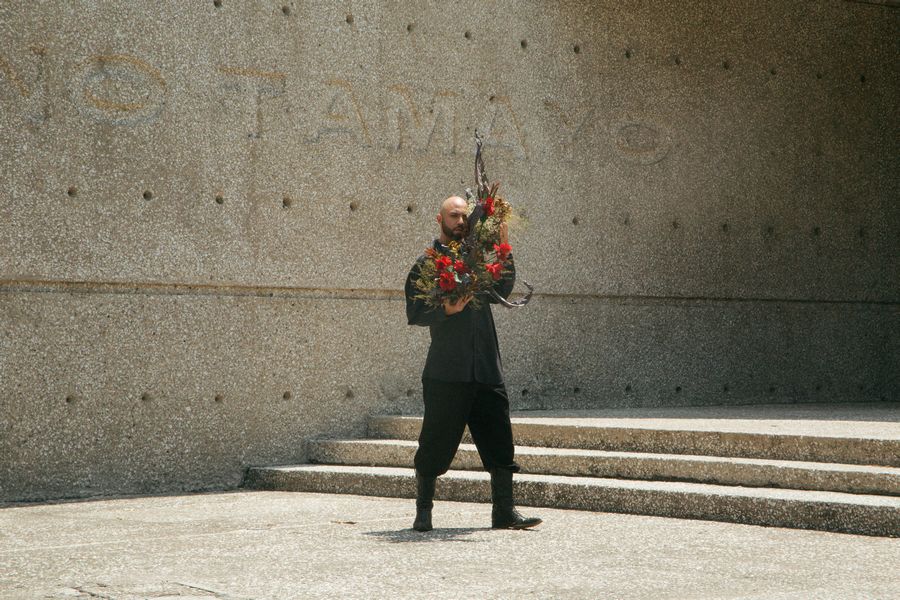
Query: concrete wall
(207,213)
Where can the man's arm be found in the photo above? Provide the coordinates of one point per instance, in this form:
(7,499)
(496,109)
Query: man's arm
(417,311)
(504,286)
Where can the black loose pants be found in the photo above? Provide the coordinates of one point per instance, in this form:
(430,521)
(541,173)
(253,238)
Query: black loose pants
(449,407)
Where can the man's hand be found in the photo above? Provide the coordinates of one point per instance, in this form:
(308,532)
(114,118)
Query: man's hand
(504,233)
(451,308)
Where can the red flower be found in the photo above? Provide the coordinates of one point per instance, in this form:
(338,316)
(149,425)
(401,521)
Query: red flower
(494,270)
(489,206)
(447,281)
(502,251)
(460,267)
(442,263)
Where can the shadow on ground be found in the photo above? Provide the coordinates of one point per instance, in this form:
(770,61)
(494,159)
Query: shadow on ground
(440,534)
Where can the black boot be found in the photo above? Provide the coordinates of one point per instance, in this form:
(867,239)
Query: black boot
(424,502)
(504,514)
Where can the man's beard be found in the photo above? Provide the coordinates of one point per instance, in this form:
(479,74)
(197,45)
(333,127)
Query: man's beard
(454,235)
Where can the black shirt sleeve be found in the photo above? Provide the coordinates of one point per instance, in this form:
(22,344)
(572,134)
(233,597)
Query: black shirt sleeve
(417,311)
(504,286)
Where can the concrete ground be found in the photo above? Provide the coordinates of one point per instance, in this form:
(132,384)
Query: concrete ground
(283,545)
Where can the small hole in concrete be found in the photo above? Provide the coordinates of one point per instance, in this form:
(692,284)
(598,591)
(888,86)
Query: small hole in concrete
(147,195)
(862,78)
(219,397)
(349,19)
(219,199)
(410,208)
(860,387)
(468,35)
(349,394)
(286,202)
(410,27)
(354,205)
(525,392)
(492,98)
(577,390)
(524,44)
(818,387)
(677,60)
(819,75)
(626,221)
(725,388)
(770,229)
(677,388)
(628,53)
(576,49)
(773,71)
(409,393)
(628,388)
(574,220)
(286,10)
(816,231)
(217,3)
(771,389)
(73,191)
(145,397)
(726,65)
(70,399)
(674,224)
(725,227)
(862,232)
(286,396)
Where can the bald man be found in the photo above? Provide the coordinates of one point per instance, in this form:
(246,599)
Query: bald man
(462,384)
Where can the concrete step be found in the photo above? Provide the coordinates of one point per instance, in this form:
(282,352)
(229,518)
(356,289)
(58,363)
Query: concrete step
(856,479)
(667,439)
(826,511)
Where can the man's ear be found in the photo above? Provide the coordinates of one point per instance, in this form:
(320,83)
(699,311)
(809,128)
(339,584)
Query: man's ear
(439,219)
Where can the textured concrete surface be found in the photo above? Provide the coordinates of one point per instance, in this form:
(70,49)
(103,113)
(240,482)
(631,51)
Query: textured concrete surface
(861,420)
(722,120)
(182,402)
(285,546)
(651,467)
(854,434)
(801,509)
(860,479)
(206,215)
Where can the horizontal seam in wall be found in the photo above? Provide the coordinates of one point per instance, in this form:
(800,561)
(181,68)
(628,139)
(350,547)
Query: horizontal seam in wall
(214,289)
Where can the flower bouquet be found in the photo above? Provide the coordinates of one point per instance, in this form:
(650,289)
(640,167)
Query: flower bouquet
(473,264)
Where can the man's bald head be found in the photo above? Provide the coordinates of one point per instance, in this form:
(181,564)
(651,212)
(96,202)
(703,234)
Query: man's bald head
(451,202)
(452,218)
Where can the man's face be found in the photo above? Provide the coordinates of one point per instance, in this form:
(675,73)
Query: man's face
(453,218)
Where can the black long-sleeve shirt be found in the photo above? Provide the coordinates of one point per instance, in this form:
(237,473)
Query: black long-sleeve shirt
(463,345)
